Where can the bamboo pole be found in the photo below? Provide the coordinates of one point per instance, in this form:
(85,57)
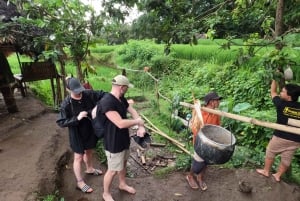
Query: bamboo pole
(165,136)
(156,130)
(171,139)
(276,126)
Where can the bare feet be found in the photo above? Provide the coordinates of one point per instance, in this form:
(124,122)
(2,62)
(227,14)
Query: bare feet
(276,177)
(107,197)
(263,172)
(128,189)
(193,184)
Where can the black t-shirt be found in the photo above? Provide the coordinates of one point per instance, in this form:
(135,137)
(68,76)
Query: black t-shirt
(286,110)
(115,139)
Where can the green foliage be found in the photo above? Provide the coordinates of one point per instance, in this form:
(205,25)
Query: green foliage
(171,21)
(101,152)
(244,156)
(163,65)
(249,135)
(176,125)
(43,91)
(98,49)
(202,51)
(143,81)
(183,162)
(52,197)
(138,54)
(163,172)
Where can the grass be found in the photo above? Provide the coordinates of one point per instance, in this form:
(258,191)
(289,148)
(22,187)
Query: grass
(196,52)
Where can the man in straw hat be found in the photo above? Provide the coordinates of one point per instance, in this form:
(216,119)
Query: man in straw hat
(116,138)
(211,100)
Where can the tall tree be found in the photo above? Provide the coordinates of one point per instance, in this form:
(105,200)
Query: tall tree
(279,18)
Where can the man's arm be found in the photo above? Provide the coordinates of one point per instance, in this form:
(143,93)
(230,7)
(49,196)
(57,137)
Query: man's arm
(273,89)
(133,112)
(141,130)
(115,117)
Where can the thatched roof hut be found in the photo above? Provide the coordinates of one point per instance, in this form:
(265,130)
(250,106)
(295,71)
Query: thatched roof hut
(16,36)
(8,10)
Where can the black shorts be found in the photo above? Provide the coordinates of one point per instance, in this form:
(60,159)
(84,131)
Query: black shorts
(197,166)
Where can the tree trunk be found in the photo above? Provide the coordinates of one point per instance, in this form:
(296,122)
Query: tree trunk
(279,18)
(80,75)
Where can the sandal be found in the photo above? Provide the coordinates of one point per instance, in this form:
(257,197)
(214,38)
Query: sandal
(96,172)
(203,186)
(192,182)
(85,188)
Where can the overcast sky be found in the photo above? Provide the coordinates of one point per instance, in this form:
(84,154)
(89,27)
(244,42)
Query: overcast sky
(133,13)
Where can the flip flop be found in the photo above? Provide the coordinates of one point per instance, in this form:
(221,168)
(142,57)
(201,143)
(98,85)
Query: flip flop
(96,172)
(85,189)
(192,182)
(203,186)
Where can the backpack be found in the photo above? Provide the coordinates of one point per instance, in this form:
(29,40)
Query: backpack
(98,121)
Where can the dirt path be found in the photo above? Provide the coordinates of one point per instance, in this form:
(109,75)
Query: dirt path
(35,160)
(31,147)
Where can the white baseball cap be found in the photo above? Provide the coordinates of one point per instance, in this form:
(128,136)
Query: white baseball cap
(122,81)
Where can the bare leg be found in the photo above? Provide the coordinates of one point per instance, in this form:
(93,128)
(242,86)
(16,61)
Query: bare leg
(78,158)
(107,180)
(202,184)
(77,166)
(122,181)
(87,158)
(281,170)
(266,171)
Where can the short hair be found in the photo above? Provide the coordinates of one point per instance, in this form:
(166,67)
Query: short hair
(293,90)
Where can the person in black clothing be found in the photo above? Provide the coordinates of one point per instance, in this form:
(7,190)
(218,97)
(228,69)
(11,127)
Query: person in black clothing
(283,143)
(116,138)
(75,113)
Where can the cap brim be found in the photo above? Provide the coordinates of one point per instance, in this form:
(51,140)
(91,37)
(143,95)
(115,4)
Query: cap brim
(131,86)
(78,90)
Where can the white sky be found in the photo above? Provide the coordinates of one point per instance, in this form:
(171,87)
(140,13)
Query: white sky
(133,13)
